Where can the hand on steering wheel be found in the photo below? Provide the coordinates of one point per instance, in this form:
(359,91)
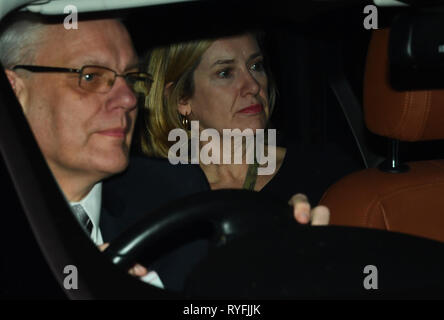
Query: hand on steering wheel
(318,216)
(136,270)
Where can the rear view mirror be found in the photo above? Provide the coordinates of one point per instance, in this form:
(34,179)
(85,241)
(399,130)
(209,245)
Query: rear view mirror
(416,51)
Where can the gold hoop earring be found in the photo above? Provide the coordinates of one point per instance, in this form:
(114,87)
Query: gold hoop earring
(185,122)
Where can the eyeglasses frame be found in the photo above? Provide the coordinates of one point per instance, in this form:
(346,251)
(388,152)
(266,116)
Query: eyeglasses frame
(46,69)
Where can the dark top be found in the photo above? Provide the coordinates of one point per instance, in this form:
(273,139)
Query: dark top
(309,171)
(146,185)
(149,184)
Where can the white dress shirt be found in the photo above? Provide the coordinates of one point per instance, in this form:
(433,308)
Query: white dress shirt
(92,204)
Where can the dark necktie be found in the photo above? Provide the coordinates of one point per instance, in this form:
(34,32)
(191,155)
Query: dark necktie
(83,218)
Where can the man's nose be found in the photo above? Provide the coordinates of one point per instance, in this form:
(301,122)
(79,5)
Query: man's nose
(123,95)
(250,84)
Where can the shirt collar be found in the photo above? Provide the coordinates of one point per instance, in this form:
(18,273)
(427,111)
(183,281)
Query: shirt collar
(92,204)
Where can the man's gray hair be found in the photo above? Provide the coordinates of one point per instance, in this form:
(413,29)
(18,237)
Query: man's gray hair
(20,34)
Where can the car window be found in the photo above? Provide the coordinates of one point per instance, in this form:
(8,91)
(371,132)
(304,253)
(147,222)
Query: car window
(301,50)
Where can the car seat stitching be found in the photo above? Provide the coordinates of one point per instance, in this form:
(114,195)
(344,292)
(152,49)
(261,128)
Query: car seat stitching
(426,113)
(411,188)
(372,204)
(379,199)
(384,215)
(405,108)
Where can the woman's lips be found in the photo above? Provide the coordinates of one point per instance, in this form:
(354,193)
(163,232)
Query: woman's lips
(254,108)
(118,133)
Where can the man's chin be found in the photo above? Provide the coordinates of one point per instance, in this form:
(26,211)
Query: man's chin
(112,166)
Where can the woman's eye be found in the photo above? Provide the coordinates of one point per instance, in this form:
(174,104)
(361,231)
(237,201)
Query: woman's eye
(258,66)
(226,73)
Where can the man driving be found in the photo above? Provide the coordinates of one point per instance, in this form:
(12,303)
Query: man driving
(76,90)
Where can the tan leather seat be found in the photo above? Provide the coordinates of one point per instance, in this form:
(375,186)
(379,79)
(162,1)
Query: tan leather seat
(411,202)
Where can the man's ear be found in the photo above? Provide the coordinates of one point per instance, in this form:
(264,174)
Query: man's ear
(17,83)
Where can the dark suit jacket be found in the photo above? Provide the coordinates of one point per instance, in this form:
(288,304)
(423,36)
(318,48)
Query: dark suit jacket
(146,185)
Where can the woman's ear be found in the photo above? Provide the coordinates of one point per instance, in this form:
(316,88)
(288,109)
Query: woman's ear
(184,107)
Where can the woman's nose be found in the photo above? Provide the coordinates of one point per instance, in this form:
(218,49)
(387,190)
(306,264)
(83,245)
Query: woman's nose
(250,84)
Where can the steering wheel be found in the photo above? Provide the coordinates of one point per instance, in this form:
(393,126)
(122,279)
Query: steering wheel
(217,216)
(259,251)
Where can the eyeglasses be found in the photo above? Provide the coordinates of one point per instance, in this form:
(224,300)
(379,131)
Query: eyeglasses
(100,79)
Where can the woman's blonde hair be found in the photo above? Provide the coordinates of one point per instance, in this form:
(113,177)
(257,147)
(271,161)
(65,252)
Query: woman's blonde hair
(173,68)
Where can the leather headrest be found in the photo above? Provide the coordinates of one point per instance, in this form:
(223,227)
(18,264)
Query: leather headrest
(403,115)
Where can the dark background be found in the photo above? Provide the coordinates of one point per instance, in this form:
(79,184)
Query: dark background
(300,42)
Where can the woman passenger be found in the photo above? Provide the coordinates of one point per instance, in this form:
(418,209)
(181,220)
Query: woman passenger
(223,84)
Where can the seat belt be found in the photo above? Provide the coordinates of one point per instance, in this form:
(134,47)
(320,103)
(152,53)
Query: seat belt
(349,103)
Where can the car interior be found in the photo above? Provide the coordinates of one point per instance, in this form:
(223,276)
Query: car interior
(390,196)
(373,97)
